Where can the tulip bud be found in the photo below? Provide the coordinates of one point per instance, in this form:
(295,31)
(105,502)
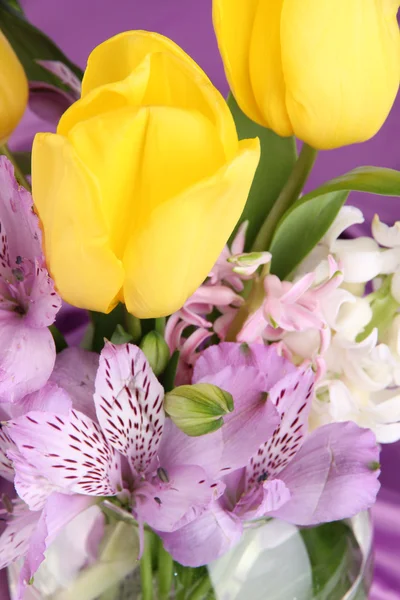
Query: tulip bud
(13,90)
(326,71)
(198,409)
(156,351)
(147,172)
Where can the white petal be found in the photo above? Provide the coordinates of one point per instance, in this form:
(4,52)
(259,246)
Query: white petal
(385,235)
(361,259)
(346,313)
(348,216)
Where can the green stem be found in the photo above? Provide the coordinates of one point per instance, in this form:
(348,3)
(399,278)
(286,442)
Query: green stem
(202,588)
(287,197)
(20,177)
(160,325)
(185,581)
(165,572)
(146,571)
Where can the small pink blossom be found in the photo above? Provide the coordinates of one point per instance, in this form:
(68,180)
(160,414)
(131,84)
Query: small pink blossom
(292,307)
(219,293)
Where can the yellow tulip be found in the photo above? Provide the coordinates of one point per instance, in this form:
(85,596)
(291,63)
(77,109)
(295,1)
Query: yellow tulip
(13,90)
(326,71)
(144,181)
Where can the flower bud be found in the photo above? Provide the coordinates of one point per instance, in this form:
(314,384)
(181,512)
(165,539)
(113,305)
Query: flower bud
(144,168)
(156,350)
(120,336)
(247,264)
(13,90)
(198,409)
(326,71)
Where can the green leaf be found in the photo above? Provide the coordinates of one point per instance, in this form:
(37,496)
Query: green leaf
(31,45)
(335,558)
(278,156)
(374,180)
(310,217)
(14,5)
(301,229)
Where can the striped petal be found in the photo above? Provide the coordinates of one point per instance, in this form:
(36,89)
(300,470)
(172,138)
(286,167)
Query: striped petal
(71,452)
(129,404)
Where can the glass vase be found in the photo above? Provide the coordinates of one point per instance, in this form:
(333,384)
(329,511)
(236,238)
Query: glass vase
(274,560)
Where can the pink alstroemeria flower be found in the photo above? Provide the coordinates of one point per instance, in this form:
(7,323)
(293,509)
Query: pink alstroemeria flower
(129,450)
(302,478)
(28,301)
(34,522)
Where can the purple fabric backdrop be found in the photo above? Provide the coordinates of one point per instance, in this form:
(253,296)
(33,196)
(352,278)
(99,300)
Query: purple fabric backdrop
(78,25)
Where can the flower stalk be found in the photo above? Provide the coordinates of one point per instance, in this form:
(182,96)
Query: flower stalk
(146,571)
(287,197)
(165,572)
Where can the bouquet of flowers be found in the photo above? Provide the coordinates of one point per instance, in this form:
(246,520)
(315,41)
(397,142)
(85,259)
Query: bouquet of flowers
(241,363)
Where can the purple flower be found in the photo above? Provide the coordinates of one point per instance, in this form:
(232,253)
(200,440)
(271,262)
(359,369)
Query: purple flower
(118,454)
(129,450)
(28,301)
(196,493)
(302,478)
(32,524)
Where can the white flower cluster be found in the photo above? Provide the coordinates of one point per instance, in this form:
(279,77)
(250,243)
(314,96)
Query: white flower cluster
(362,377)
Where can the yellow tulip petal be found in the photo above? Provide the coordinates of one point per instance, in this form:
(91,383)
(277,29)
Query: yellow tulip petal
(86,272)
(13,90)
(117,57)
(233,24)
(148,68)
(341,63)
(143,157)
(266,72)
(168,259)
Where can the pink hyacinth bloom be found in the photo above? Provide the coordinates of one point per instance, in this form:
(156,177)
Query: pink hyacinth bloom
(291,307)
(28,301)
(222,271)
(221,293)
(303,478)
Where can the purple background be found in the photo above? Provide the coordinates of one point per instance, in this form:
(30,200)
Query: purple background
(78,25)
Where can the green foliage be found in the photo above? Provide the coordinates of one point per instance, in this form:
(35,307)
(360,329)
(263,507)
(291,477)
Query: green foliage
(307,221)
(301,228)
(105,325)
(278,156)
(31,45)
(335,559)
